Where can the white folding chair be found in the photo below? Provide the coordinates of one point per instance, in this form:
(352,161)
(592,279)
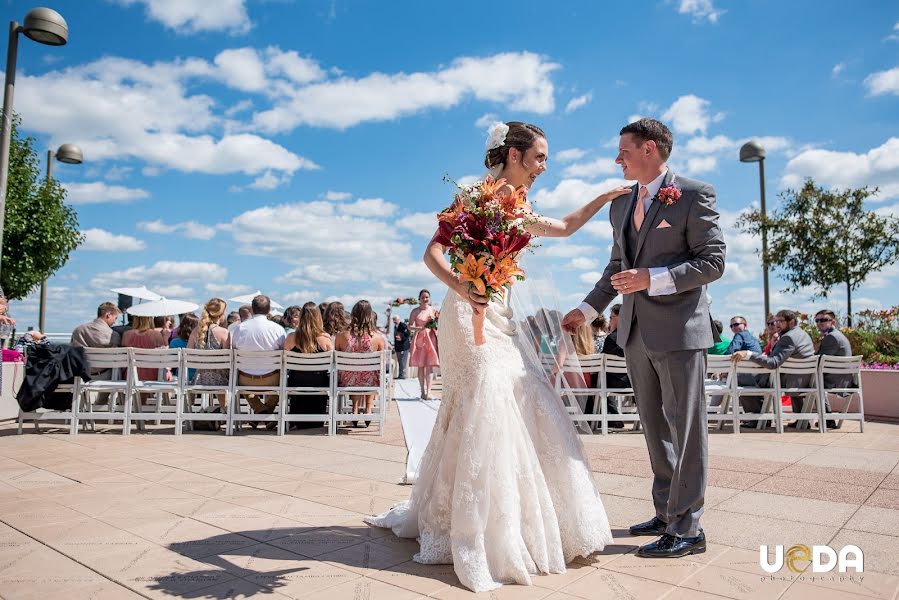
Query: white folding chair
(770,409)
(267,362)
(158,359)
(48,414)
(118,361)
(206,360)
(357,362)
(624,396)
(579,371)
(847,367)
(307,363)
(807,368)
(717,387)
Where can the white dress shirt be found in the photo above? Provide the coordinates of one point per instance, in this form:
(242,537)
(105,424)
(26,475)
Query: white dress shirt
(258,334)
(660,281)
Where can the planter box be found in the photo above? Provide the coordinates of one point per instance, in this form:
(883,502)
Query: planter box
(881,389)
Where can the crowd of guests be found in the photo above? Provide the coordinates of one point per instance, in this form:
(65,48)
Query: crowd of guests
(310,328)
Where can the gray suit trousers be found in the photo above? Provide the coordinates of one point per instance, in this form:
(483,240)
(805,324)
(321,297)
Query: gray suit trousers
(670,393)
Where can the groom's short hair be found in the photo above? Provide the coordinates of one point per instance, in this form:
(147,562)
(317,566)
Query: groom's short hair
(649,129)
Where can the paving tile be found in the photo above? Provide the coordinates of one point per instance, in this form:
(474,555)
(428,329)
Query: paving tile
(603,583)
(673,572)
(869,584)
(849,493)
(735,584)
(884,498)
(879,549)
(820,512)
(751,531)
(368,557)
(422,579)
(363,588)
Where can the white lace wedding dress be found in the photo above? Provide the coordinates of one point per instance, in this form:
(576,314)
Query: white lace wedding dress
(504,490)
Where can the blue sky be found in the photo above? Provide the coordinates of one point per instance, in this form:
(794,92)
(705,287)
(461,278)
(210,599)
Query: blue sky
(299,147)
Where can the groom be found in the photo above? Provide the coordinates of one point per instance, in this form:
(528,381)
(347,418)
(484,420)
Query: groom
(667,247)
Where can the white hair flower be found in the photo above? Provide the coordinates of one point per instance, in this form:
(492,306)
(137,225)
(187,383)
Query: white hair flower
(497,135)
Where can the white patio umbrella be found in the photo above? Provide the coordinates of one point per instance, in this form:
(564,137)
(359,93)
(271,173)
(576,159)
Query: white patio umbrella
(138,292)
(247,298)
(162,307)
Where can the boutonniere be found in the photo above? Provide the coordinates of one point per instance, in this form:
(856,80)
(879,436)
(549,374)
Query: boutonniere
(669,194)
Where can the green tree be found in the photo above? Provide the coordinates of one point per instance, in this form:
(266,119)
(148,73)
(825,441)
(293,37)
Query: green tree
(821,239)
(41,230)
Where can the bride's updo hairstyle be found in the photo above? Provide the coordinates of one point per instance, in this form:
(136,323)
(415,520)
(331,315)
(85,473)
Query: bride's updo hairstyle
(521,136)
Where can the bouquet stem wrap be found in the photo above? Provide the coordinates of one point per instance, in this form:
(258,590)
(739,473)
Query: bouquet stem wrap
(477,325)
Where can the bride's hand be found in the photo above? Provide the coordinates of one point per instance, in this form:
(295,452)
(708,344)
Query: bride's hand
(612,194)
(478,302)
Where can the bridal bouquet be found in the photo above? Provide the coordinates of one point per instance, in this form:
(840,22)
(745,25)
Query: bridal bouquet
(484,230)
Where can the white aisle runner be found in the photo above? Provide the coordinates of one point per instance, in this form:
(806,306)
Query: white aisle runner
(417,417)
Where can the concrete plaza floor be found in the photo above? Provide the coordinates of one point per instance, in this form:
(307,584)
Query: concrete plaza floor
(99,515)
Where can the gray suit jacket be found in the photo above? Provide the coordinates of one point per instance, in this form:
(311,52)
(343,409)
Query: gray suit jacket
(834,343)
(96,334)
(794,343)
(693,250)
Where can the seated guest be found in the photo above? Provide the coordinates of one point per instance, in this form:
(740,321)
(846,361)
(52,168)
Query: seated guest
(792,342)
(743,338)
(244,313)
(210,335)
(121,329)
(584,344)
(233,317)
(610,346)
(259,334)
(165,326)
(98,333)
(335,319)
(309,337)
(600,330)
(833,343)
(772,333)
(290,318)
(144,335)
(323,309)
(189,322)
(720,348)
(361,336)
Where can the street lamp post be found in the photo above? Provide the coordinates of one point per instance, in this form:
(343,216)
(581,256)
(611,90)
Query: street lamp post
(45,26)
(69,154)
(752,151)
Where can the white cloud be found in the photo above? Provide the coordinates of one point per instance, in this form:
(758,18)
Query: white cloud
(701,154)
(700,10)
(583,262)
(894,37)
(883,82)
(600,228)
(571,154)
(190,16)
(189,229)
(268,181)
(570,194)
(242,69)
(97,192)
(701,164)
(161,274)
(590,277)
(518,80)
(296,68)
(578,102)
(337,196)
(422,224)
(118,173)
(690,114)
(368,207)
(838,69)
(592,169)
(485,121)
(300,297)
(104,241)
(878,167)
(561,248)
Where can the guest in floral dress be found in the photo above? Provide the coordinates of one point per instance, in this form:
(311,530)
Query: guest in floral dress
(210,335)
(424,343)
(362,336)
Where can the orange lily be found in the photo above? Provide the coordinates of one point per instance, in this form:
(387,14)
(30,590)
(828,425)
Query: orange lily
(450,214)
(506,269)
(472,270)
(514,202)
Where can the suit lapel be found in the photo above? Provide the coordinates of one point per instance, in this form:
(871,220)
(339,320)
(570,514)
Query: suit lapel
(650,221)
(627,222)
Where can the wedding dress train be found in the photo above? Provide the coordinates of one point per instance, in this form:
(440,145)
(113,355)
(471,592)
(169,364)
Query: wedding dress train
(504,490)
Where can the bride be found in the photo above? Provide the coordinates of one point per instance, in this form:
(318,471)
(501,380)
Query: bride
(504,489)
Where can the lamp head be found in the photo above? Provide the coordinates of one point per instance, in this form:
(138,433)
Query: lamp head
(752,151)
(69,154)
(46,26)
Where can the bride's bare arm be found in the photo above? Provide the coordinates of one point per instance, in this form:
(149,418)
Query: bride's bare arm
(438,265)
(549,227)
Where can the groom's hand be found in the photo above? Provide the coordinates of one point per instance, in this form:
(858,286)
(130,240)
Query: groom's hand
(630,281)
(573,320)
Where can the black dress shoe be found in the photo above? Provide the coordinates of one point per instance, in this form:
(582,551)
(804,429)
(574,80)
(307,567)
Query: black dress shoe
(654,526)
(671,546)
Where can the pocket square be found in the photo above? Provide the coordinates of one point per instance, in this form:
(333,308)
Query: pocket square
(664,224)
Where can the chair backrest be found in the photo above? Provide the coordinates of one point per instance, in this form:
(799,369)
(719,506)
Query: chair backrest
(746,366)
(316,361)
(108,358)
(207,359)
(717,364)
(587,363)
(615,364)
(157,358)
(258,360)
(800,366)
(360,361)
(843,365)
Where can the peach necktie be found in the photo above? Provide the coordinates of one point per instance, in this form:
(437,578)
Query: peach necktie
(640,209)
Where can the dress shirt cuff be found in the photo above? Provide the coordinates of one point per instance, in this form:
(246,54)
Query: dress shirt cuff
(588,311)
(661,283)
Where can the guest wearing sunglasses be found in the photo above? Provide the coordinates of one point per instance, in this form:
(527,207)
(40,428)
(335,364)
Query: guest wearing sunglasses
(833,343)
(773,333)
(743,338)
